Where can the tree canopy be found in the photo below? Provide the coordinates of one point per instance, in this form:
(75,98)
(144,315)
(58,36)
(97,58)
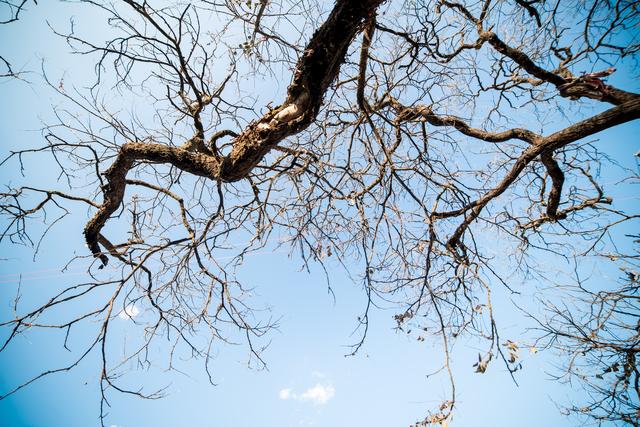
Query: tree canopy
(436,149)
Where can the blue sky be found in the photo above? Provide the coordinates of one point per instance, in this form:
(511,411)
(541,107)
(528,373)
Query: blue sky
(309,381)
(385,384)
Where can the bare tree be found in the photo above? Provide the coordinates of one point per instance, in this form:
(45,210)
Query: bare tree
(410,132)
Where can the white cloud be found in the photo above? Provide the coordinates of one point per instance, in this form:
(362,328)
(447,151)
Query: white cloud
(129,312)
(285,394)
(319,394)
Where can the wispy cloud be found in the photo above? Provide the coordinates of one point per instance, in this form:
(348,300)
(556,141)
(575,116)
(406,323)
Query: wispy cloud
(319,394)
(285,394)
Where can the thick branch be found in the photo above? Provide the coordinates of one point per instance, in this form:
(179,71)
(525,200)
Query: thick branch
(557,180)
(612,117)
(316,69)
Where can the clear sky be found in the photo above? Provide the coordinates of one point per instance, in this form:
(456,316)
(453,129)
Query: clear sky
(309,381)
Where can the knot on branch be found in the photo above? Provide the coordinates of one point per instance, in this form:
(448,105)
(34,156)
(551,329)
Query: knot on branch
(589,85)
